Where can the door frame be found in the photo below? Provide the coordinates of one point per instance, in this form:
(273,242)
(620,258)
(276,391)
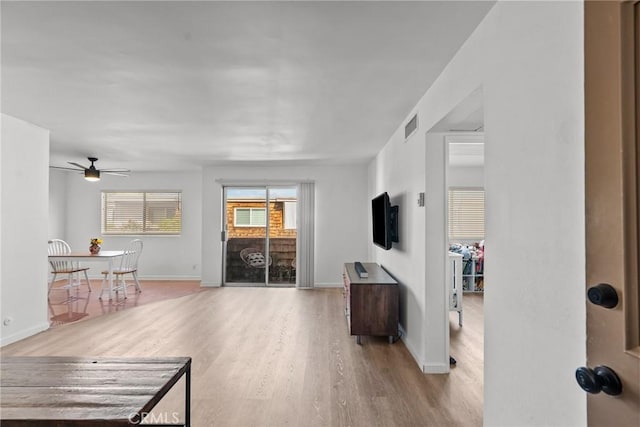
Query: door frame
(267,186)
(611,202)
(225,238)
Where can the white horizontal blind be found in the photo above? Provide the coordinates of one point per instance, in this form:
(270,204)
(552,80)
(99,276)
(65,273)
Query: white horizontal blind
(153,212)
(466,213)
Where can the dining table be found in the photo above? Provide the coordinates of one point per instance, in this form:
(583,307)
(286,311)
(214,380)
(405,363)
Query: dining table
(102,256)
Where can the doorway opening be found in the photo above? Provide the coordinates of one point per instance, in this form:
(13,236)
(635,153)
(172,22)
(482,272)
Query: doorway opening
(260,236)
(456,148)
(464,190)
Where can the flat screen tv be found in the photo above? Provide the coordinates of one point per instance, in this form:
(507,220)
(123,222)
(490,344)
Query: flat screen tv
(385,221)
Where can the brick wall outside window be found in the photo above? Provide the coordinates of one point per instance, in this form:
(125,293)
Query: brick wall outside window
(276,220)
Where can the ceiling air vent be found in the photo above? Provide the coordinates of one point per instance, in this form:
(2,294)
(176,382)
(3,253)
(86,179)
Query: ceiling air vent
(411,126)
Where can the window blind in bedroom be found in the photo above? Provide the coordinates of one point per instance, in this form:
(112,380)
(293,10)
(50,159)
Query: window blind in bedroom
(466,213)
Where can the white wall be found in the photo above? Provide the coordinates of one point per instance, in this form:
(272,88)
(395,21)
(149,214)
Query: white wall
(536,211)
(58,203)
(341,213)
(399,170)
(528,58)
(465,176)
(23,225)
(341,218)
(163,257)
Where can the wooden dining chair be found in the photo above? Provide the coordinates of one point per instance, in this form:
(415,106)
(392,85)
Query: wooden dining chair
(70,268)
(128,265)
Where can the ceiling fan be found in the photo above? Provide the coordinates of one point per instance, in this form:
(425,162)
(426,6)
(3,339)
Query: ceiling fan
(91,173)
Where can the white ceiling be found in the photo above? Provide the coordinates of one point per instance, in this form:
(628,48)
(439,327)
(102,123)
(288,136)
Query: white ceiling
(178,85)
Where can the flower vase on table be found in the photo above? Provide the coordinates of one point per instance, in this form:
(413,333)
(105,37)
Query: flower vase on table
(95,246)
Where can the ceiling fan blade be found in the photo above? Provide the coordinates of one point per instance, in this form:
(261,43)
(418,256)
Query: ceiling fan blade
(113,173)
(66,169)
(114,170)
(75,164)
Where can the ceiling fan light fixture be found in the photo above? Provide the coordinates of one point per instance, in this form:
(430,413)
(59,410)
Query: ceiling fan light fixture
(92,175)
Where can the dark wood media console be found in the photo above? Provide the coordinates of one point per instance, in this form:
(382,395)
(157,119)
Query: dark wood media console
(371,303)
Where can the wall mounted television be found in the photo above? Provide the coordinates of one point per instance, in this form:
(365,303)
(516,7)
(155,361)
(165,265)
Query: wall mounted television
(385,221)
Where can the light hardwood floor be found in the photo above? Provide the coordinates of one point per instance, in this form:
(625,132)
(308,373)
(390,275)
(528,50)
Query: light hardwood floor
(282,357)
(80,305)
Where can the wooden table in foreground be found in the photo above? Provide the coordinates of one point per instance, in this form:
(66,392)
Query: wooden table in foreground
(82,391)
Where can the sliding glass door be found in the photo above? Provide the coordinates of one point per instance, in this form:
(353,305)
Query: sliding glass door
(260,236)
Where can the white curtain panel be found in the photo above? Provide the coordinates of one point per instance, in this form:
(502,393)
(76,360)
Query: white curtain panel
(306,227)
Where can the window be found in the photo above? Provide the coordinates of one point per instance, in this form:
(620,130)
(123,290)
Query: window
(156,212)
(250,217)
(466,213)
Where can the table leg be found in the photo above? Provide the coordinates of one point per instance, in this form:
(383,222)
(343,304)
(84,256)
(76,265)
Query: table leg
(187,398)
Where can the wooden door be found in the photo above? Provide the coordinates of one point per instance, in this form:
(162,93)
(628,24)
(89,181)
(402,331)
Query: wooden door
(611,144)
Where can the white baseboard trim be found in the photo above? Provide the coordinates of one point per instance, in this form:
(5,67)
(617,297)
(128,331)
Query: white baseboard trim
(23,334)
(204,284)
(328,285)
(435,369)
(211,284)
(414,354)
(157,278)
(426,368)
(167,278)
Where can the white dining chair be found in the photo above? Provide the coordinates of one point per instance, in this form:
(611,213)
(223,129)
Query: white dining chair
(128,265)
(71,268)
